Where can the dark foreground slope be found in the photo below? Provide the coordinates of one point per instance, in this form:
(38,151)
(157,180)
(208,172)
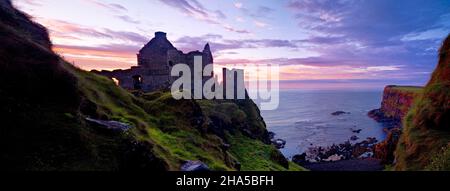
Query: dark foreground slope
(47,107)
(424,144)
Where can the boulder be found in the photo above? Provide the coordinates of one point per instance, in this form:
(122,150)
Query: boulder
(271,135)
(366,155)
(385,150)
(113,126)
(356,130)
(334,158)
(300,159)
(194,166)
(354,138)
(279,143)
(337,113)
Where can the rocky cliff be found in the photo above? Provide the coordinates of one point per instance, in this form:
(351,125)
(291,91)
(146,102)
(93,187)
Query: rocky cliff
(397,101)
(426,133)
(58,117)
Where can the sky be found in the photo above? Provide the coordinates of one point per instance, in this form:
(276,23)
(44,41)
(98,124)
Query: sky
(319,44)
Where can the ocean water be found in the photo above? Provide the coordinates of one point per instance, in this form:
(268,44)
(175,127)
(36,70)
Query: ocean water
(304,118)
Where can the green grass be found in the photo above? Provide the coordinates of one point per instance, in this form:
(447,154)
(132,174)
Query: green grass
(256,156)
(413,89)
(166,124)
(175,140)
(440,161)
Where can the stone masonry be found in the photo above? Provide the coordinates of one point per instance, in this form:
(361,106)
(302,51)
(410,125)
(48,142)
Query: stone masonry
(155,62)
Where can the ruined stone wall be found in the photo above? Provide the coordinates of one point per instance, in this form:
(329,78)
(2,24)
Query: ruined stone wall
(155,62)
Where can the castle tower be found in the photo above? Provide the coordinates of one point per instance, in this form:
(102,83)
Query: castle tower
(207,55)
(154,54)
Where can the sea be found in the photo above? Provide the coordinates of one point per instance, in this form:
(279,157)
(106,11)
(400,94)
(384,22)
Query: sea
(304,118)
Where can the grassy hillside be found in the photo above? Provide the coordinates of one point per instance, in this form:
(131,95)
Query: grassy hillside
(424,144)
(45,102)
(408,89)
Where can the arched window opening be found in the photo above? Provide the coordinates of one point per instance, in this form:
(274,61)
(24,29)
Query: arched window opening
(137,82)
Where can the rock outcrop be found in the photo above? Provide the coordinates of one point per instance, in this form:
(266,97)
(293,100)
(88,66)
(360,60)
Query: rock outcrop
(385,150)
(194,166)
(397,101)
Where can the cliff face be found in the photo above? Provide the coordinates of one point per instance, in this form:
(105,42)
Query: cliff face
(397,101)
(426,135)
(57,117)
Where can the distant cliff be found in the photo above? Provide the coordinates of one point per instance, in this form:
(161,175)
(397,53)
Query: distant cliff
(426,134)
(397,101)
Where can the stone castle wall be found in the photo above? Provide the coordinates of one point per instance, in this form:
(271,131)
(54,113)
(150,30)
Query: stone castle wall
(155,62)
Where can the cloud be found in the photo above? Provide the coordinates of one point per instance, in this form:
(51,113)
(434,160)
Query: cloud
(262,11)
(31,2)
(100,57)
(106,50)
(63,28)
(232,29)
(195,9)
(370,33)
(258,13)
(238,5)
(368,22)
(431,34)
(218,43)
(67,30)
(126,36)
(128,19)
(113,7)
(261,24)
(119,11)
(220,14)
(192,8)
(240,19)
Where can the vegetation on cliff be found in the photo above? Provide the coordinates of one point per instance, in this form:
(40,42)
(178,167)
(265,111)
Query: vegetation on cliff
(46,101)
(424,144)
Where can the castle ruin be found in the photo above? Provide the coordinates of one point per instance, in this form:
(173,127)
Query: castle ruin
(155,61)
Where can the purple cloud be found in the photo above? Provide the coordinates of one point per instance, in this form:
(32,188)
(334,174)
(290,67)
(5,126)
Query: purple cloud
(128,19)
(118,10)
(218,43)
(73,31)
(195,9)
(113,7)
(373,32)
(259,12)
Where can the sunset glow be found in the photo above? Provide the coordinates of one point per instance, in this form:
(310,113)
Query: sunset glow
(318,44)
